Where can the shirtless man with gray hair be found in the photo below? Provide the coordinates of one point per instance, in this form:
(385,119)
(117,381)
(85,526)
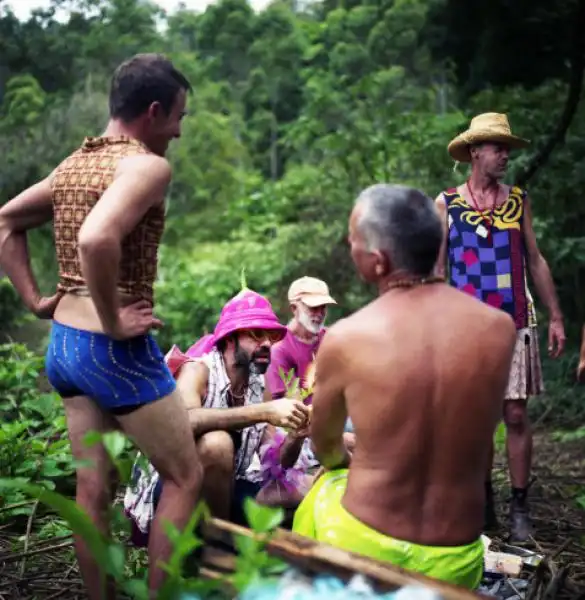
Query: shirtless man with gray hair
(413,492)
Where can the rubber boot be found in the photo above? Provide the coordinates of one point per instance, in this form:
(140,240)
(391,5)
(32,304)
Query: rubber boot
(520,528)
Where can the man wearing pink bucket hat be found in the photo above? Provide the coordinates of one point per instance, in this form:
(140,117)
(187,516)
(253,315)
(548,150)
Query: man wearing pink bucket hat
(221,379)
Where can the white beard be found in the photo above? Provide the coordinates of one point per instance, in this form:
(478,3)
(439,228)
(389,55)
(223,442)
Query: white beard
(304,319)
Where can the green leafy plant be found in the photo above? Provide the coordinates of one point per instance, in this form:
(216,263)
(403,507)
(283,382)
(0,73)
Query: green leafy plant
(253,562)
(33,441)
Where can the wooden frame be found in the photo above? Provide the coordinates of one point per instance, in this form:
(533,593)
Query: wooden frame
(312,558)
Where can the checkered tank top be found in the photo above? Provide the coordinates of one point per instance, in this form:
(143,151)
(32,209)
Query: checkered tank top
(78,184)
(486,253)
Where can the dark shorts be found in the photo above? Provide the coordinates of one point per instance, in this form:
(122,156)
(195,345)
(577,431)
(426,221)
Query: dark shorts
(120,376)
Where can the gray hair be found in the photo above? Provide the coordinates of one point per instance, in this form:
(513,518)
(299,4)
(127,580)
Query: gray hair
(404,223)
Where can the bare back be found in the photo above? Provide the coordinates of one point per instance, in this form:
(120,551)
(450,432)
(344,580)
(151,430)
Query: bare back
(424,389)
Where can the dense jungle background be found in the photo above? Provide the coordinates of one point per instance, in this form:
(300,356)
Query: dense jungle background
(295,109)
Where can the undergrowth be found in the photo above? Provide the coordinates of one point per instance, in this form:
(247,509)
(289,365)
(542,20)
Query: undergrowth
(37,474)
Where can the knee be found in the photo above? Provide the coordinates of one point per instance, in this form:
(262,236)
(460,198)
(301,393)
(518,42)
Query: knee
(216,450)
(94,489)
(188,479)
(516,416)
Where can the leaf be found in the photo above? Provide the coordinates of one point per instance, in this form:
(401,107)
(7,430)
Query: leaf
(91,438)
(50,469)
(44,404)
(262,518)
(136,588)
(114,442)
(246,545)
(117,558)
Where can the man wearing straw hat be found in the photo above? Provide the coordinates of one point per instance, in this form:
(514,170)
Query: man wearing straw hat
(488,247)
(221,379)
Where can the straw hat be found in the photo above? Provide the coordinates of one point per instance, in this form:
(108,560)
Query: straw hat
(487,127)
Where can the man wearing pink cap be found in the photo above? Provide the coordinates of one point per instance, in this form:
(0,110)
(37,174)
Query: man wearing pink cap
(309,299)
(221,379)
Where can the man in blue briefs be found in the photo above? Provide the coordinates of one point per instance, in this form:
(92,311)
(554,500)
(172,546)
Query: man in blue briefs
(106,201)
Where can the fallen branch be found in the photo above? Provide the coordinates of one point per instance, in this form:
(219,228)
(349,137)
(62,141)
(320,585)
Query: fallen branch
(17,505)
(555,585)
(27,536)
(561,548)
(9,557)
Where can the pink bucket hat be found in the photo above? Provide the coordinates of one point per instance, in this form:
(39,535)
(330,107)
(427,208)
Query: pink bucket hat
(247,310)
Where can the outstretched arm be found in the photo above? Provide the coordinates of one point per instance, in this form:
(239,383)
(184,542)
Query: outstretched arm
(543,281)
(192,383)
(31,208)
(329,411)
(140,183)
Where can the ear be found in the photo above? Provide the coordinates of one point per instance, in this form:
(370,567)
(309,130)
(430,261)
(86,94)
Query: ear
(474,151)
(382,265)
(155,111)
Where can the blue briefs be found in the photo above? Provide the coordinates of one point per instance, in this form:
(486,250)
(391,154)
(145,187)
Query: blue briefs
(119,375)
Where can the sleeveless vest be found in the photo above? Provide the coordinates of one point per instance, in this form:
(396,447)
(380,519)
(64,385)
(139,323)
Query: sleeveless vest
(78,184)
(487,254)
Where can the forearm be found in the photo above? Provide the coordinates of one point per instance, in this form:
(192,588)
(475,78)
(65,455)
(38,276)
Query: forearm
(545,287)
(290,450)
(583,343)
(332,454)
(15,262)
(100,261)
(225,419)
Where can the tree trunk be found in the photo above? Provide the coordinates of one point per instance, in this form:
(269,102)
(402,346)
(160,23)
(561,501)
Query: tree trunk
(571,104)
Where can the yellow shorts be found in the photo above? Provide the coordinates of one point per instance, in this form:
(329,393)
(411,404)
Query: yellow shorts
(322,517)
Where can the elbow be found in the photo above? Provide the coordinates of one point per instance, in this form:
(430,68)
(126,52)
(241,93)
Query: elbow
(91,243)
(6,228)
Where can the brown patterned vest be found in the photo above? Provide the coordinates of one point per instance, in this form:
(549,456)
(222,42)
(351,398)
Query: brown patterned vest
(78,183)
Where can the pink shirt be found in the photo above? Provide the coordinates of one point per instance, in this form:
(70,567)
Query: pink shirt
(290,353)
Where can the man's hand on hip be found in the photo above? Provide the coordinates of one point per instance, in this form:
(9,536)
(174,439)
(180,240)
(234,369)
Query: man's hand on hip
(44,307)
(133,320)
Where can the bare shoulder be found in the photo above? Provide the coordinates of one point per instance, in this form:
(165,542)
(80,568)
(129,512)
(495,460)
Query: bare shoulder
(192,380)
(502,324)
(194,369)
(152,167)
(337,337)
(440,201)
(497,325)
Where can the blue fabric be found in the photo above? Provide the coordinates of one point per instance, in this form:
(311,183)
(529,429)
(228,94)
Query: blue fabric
(115,374)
